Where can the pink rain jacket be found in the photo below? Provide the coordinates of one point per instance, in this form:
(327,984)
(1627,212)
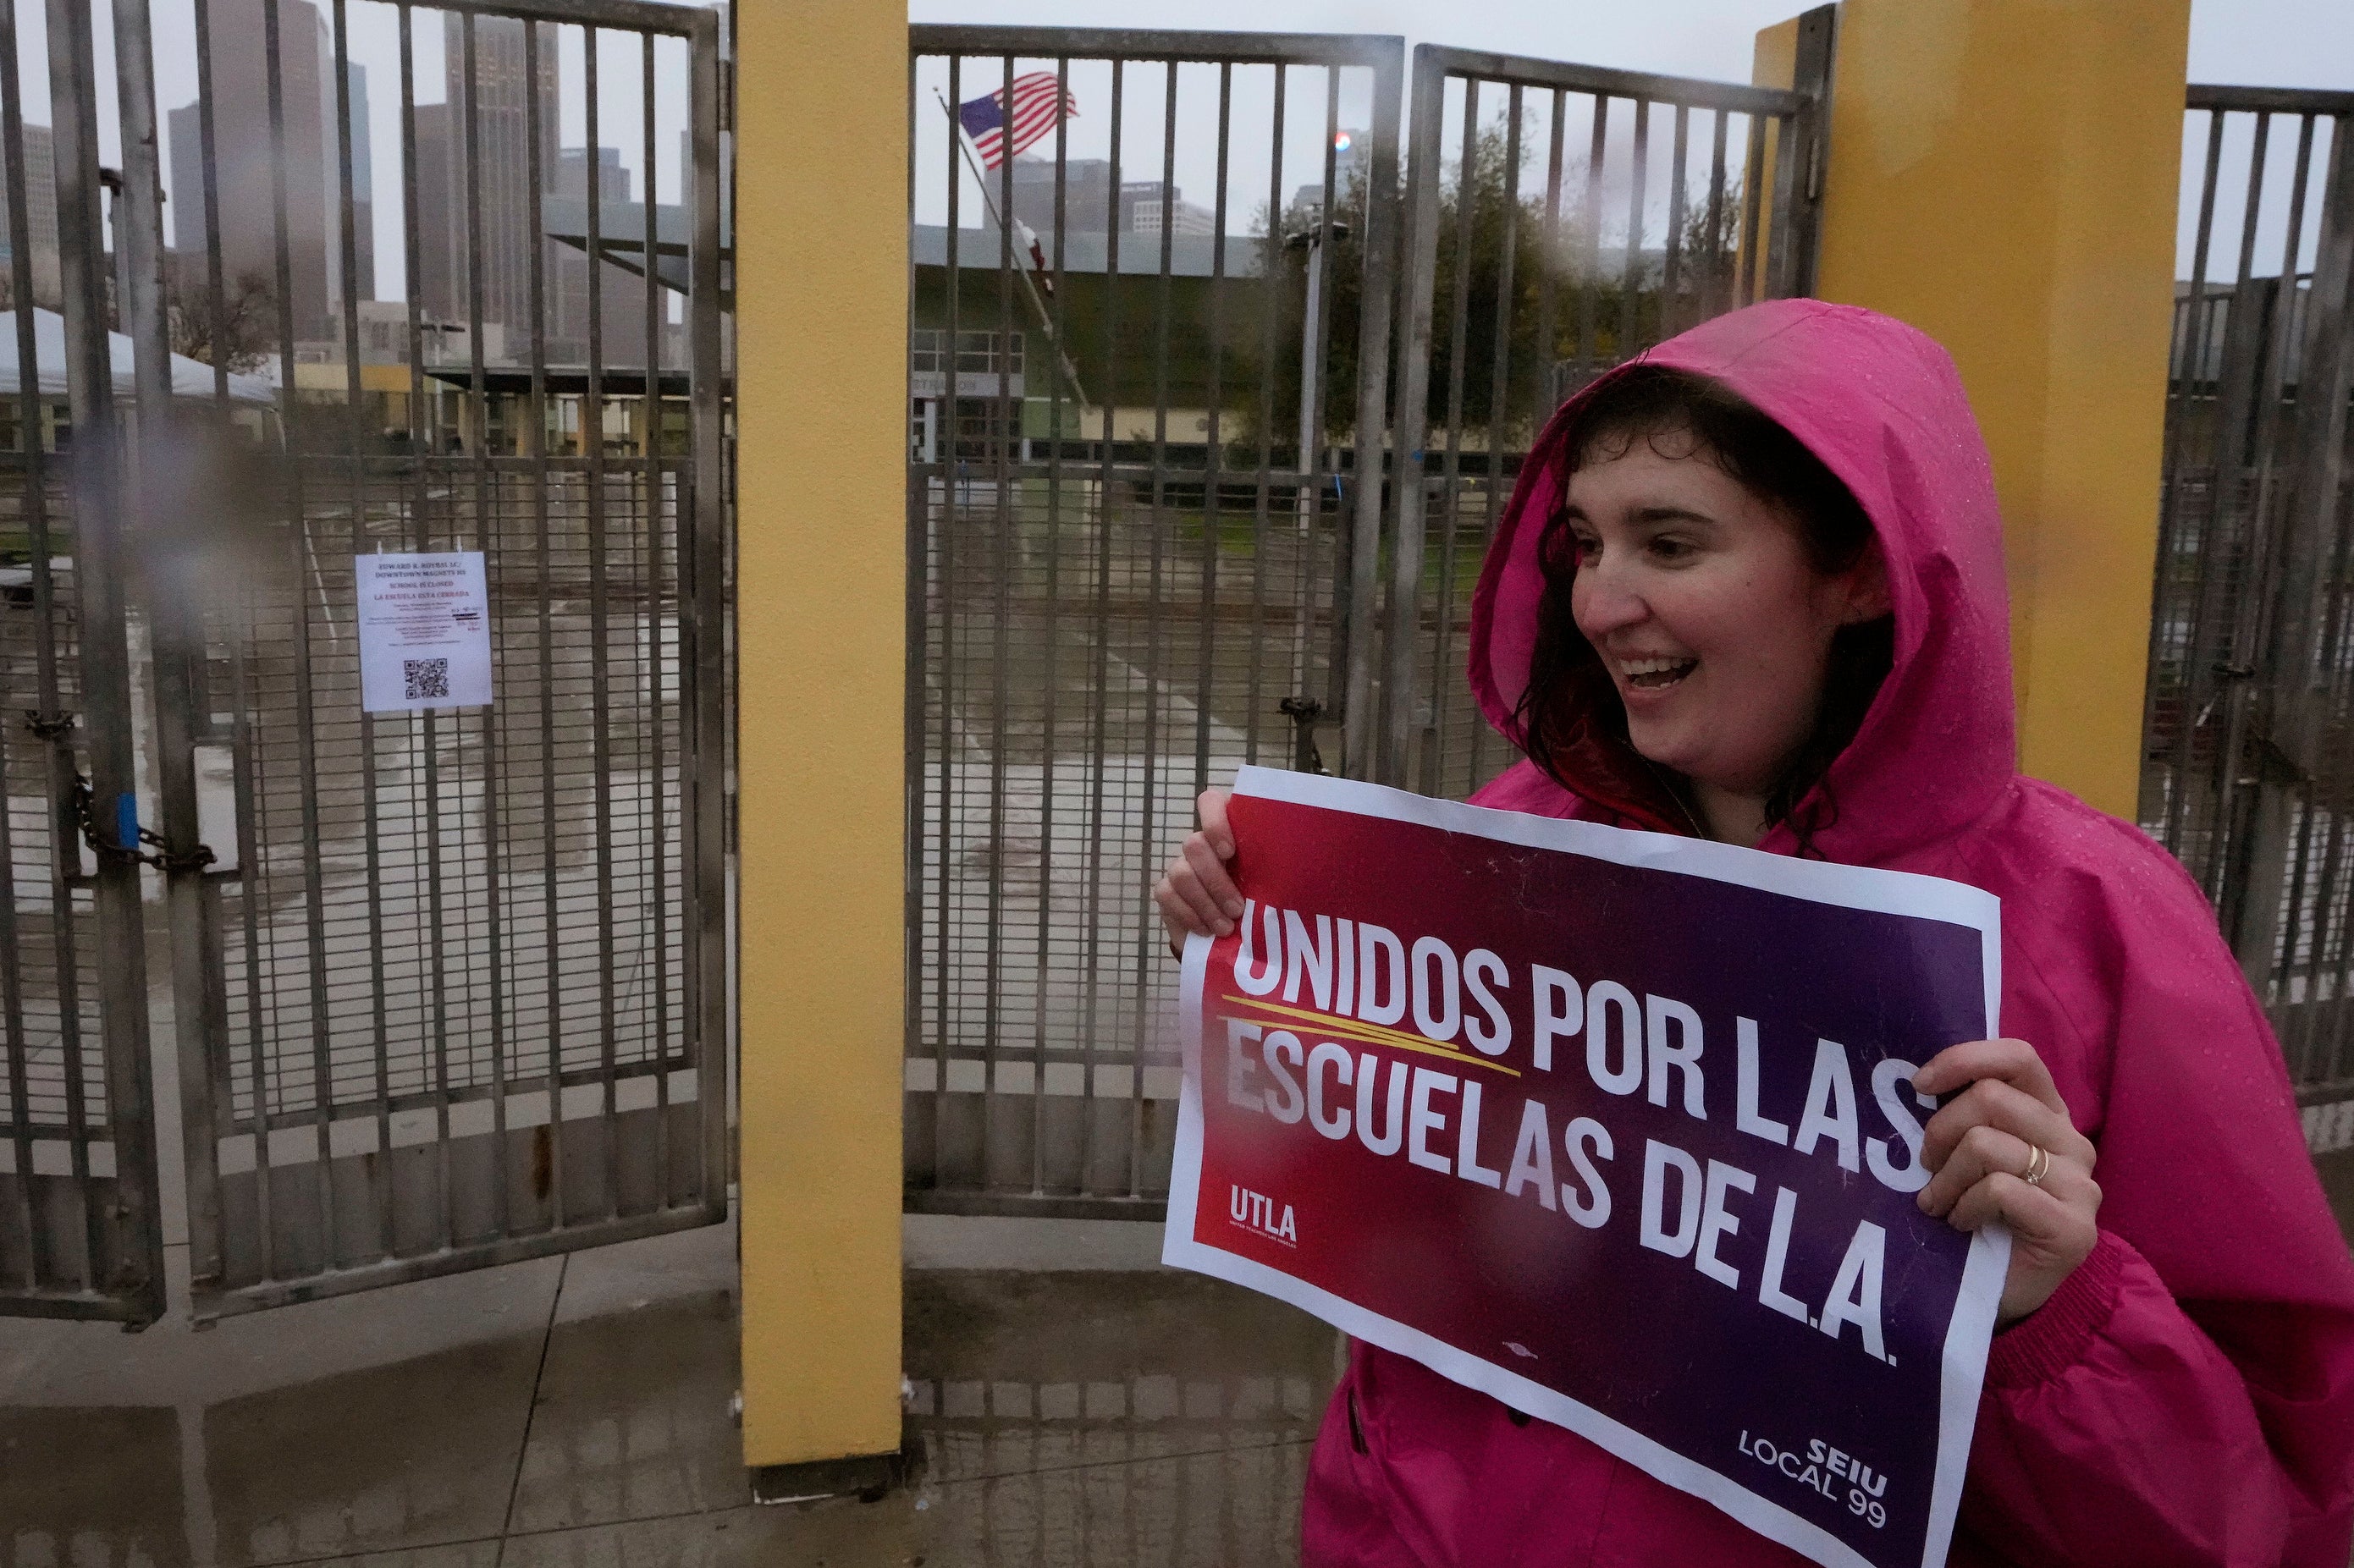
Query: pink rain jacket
(2188,1395)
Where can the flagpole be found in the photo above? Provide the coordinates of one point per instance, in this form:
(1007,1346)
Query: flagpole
(1029,283)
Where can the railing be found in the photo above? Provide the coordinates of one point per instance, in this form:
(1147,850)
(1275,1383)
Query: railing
(2249,731)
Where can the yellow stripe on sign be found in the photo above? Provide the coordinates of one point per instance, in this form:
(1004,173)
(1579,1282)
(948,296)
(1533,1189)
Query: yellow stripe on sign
(1340,1028)
(1381,1033)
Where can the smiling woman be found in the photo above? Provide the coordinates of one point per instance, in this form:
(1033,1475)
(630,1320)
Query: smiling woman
(1751,587)
(1709,569)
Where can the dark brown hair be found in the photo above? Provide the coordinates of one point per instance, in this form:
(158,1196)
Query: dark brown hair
(1572,725)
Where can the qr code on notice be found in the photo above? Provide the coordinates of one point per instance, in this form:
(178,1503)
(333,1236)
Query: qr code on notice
(426,678)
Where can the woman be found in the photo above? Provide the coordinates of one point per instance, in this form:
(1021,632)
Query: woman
(1752,587)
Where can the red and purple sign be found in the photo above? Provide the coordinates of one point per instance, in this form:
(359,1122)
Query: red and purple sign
(1615,1127)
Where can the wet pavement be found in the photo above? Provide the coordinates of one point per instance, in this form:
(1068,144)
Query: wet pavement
(1070,1404)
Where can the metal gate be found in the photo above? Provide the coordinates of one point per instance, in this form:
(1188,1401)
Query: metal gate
(1153,456)
(2249,733)
(79,1230)
(1660,202)
(1137,426)
(448,983)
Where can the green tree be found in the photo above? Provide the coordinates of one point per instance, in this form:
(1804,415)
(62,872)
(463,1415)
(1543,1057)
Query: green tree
(1595,322)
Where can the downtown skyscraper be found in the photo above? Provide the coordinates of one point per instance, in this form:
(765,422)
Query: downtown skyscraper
(496,187)
(243,172)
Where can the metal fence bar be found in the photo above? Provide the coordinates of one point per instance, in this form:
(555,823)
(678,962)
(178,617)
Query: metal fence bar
(1459,355)
(1157,535)
(2171,523)
(1798,200)
(1541,377)
(2270,488)
(600,588)
(2270,100)
(122,1235)
(1151,44)
(945,530)
(1409,431)
(536,132)
(1671,268)
(1711,299)
(704,603)
(1606,81)
(1093,1065)
(1000,461)
(651,633)
(1263,486)
(1362,726)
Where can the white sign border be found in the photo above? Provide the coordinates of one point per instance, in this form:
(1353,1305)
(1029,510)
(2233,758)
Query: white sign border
(1970,1331)
(472,566)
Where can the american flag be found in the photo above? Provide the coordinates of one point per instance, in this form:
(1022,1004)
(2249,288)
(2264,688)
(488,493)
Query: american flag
(1039,105)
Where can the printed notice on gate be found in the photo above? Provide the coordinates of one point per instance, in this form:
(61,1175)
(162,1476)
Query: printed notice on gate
(424,630)
(1615,1127)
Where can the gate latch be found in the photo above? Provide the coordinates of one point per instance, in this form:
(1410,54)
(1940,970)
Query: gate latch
(1303,713)
(129,834)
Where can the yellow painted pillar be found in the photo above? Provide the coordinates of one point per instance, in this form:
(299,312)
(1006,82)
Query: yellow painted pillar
(821,411)
(2002,175)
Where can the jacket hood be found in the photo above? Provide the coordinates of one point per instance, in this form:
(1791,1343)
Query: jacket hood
(1883,408)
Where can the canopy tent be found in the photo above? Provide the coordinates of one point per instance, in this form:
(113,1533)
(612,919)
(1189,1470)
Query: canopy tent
(622,239)
(190,377)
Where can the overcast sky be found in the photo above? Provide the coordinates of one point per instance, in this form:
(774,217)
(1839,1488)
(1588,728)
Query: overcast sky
(2297,43)
(2278,43)
(2273,43)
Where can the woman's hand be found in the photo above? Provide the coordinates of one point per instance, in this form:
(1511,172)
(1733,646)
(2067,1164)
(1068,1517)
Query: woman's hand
(1981,1147)
(1195,894)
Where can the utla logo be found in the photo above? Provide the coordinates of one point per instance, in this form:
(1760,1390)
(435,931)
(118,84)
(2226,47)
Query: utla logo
(1256,1212)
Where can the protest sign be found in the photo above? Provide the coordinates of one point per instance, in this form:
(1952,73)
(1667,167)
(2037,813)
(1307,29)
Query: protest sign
(1615,1127)
(424,630)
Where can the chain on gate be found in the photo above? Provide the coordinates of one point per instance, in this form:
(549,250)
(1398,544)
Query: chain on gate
(152,848)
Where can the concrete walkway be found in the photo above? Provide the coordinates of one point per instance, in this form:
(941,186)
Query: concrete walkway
(577,1411)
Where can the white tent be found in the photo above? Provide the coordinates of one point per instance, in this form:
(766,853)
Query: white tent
(190,377)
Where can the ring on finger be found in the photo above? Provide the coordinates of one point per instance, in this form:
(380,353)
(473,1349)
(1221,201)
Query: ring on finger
(2038,1165)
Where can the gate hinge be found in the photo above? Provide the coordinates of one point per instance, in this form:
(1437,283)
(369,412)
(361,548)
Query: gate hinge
(48,725)
(164,859)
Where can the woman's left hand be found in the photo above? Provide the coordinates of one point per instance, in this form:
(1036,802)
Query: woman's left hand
(1981,1147)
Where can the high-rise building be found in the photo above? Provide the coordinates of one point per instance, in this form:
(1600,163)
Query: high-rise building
(184,212)
(621,312)
(1141,209)
(439,269)
(355,104)
(243,157)
(1087,194)
(497,188)
(41,217)
(1089,205)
